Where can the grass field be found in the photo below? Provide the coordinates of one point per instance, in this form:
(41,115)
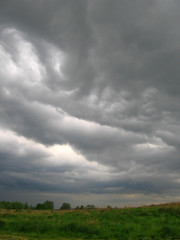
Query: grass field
(141,223)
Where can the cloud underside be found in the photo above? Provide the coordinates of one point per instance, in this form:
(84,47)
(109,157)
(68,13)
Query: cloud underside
(89,97)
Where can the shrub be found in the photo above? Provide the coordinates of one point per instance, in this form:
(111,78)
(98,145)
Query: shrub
(65,206)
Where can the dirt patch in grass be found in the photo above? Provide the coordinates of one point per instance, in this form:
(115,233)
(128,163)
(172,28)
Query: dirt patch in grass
(8,237)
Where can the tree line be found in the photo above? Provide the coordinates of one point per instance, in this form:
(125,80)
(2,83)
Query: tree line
(47,205)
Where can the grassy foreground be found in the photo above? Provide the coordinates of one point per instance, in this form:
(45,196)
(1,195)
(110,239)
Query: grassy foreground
(142,223)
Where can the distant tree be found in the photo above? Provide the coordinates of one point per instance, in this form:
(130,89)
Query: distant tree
(17,205)
(13,205)
(48,205)
(90,206)
(109,207)
(8,205)
(5,205)
(82,207)
(40,206)
(65,206)
(26,205)
(32,207)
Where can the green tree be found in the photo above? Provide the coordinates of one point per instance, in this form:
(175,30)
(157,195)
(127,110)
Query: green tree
(40,206)
(49,205)
(90,206)
(109,207)
(13,205)
(65,206)
(26,205)
(32,207)
(17,205)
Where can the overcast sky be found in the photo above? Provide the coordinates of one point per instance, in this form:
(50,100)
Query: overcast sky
(90,101)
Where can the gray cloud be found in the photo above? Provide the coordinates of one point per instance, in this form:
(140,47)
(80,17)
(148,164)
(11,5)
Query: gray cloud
(89,99)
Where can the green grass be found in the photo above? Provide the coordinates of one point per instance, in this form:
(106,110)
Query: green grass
(142,223)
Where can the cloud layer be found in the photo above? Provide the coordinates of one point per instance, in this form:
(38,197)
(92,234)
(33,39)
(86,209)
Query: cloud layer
(89,100)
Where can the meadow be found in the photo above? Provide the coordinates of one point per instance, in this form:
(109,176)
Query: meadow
(140,223)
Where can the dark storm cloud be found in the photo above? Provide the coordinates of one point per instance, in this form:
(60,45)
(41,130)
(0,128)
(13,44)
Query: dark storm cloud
(138,43)
(99,80)
(63,23)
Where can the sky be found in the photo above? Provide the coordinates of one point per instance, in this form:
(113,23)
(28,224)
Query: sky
(89,101)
